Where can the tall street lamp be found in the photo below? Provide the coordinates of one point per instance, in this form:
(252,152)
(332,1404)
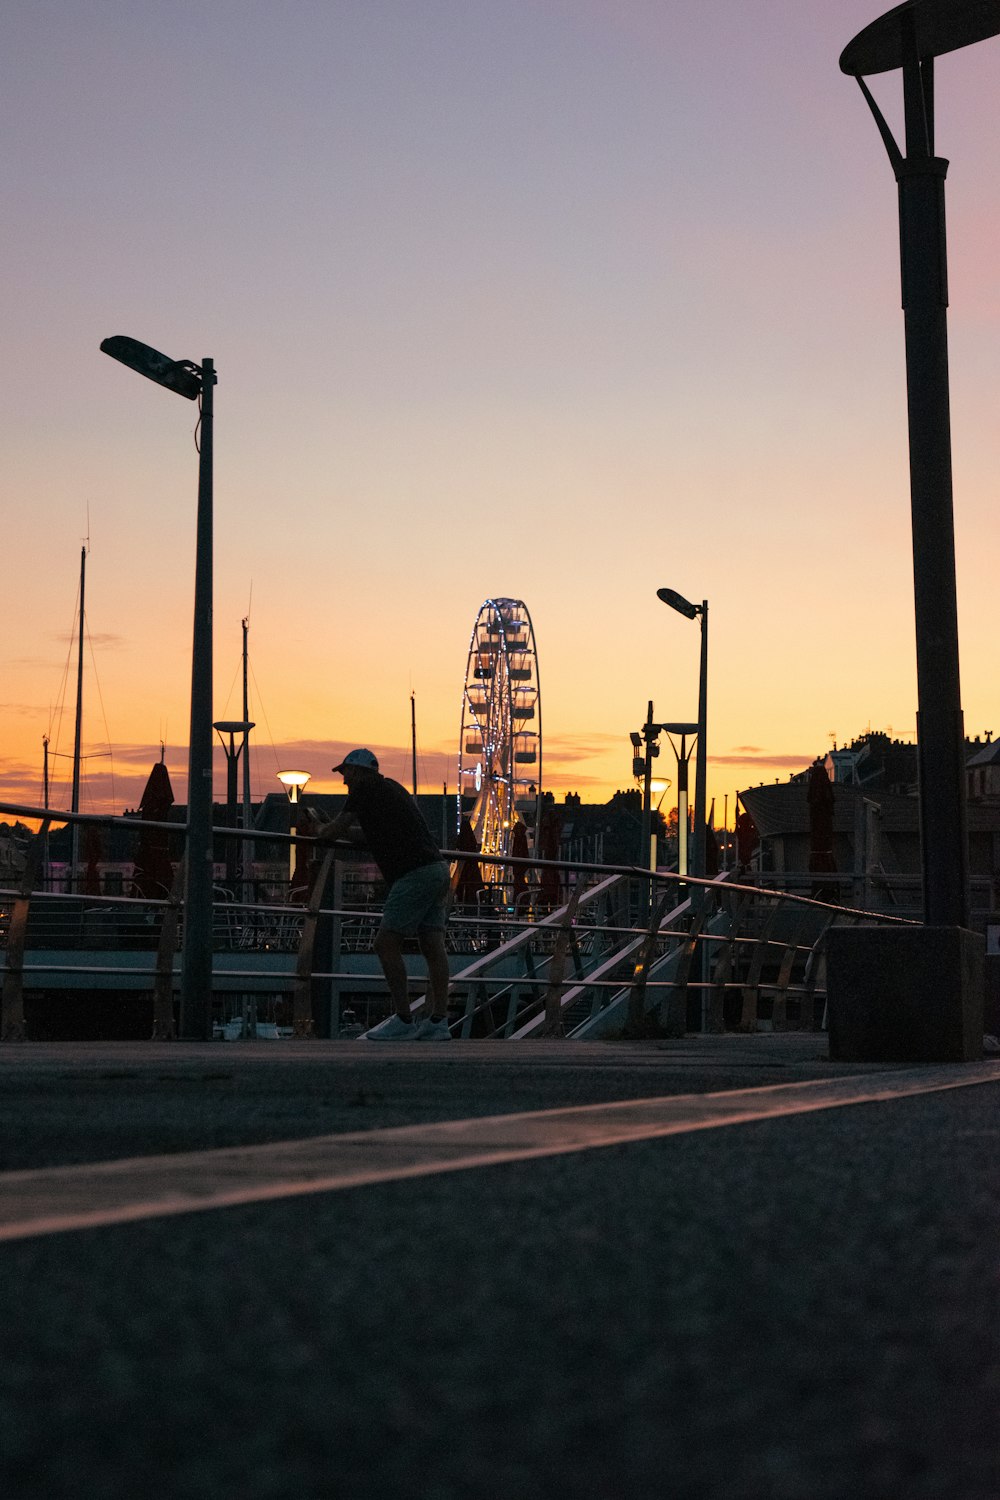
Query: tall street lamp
(295,783)
(196,383)
(910,37)
(684,607)
(916,994)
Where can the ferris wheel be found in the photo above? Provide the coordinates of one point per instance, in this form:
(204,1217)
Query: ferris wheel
(500,745)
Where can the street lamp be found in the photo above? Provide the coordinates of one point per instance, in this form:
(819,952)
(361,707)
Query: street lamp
(642,769)
(194,382)
(682,756)
(294,783)
(689,610)
(232,728)
(917,994)
(910,37)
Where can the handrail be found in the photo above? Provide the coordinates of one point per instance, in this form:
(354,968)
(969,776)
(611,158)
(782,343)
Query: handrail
(594,922)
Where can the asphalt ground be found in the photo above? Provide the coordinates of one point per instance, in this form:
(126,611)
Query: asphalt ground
(795,1307)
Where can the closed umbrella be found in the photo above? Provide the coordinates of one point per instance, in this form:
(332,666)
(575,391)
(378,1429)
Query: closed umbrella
(153,874)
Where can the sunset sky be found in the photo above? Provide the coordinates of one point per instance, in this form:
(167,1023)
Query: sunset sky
(562,300)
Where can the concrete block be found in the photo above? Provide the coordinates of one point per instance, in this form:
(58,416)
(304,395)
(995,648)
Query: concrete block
(905,994)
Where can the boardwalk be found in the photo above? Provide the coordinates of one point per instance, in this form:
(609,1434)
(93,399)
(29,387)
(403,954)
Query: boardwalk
(778,1293)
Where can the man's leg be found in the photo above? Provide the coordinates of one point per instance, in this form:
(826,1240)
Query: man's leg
(389,948)
(431,940)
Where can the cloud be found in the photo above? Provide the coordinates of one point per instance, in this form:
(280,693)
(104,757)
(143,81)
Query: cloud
(97,638)
(755,757)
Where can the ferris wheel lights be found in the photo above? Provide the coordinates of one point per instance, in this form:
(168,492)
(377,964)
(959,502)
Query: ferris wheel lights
(500,744)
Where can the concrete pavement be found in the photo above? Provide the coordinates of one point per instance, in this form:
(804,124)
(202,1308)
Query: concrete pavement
(801,1305)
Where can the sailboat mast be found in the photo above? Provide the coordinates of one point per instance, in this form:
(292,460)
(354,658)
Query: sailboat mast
(75,799)
(247,816)
(413,737)
(75,803)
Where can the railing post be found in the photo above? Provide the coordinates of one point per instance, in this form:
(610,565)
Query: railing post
(12,1027)
(557,967)
(302,1014)
(673,1007)
(336,945)
(636,1024)
(779,1008)
(751,985)
(164,1028)
(723,967)
(815,969)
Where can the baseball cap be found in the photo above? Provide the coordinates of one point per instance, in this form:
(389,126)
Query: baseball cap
(358,758)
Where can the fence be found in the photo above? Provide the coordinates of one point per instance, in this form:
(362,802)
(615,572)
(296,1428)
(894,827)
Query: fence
(560,948)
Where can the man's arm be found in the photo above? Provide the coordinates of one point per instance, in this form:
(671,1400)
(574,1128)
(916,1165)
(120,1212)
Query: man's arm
(344,826)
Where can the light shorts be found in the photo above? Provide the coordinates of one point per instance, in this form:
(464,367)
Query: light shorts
(418,901)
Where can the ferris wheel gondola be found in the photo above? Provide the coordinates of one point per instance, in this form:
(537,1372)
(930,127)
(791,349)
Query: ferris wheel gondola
(500,745)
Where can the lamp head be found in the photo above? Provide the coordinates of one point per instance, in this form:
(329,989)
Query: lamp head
(678,602)
(180,375)
(931,27)
(293,782)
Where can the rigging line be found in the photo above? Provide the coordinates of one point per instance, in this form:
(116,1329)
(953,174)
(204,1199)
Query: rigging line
(267,723)
(232,684)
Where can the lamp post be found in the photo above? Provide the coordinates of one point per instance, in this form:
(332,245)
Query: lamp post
(682,756)
(909,38)
(194,382)
(642,768)
(232,728)
(684,607)
(294,783)
(917,994)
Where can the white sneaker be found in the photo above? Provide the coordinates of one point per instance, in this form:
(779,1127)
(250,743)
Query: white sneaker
(433,1029)
(391,1030)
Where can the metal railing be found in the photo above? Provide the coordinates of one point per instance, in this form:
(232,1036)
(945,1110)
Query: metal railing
(560,949)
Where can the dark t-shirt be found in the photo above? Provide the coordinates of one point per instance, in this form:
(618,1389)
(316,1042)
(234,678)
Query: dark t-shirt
(393,826)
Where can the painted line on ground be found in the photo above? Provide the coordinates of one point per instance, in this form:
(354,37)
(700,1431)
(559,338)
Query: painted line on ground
(54,1200)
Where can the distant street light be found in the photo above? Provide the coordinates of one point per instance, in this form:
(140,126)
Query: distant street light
(294,783)
(910,37)
(682,755)
(689,610)
(195,382)
(232,728)
(642,769)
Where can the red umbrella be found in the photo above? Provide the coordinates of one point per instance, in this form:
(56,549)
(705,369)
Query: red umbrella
(549,848)
(746,839)
(518,850)
(469,879)
(153,874)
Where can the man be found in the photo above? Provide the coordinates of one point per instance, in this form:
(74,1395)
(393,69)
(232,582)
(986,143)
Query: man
(381,814)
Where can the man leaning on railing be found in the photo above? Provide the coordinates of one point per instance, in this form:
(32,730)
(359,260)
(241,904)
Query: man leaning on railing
(382,815)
